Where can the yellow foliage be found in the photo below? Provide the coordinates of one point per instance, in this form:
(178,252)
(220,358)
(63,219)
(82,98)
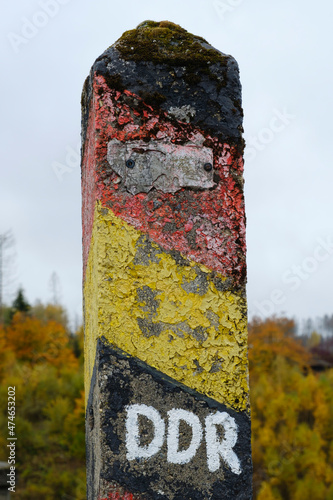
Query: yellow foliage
(266,492)
(34,341)
(292,417)
(292,411)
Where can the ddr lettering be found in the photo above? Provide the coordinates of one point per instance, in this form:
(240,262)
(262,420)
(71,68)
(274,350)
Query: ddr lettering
(217,448)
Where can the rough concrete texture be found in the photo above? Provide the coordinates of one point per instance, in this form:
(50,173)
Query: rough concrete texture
(164,266)
(180,465)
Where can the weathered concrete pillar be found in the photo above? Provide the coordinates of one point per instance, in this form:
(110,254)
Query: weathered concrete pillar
(166,371)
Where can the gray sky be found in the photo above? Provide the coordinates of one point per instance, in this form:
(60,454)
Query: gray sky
(284,51)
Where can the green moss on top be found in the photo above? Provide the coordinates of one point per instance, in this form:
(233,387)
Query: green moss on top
(167,43)
(161,24)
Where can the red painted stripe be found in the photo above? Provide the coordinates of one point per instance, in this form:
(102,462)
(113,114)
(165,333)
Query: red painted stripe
(120,495)
(89,181)
(206,226)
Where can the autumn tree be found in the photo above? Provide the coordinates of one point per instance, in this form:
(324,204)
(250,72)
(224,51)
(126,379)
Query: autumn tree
(51,312)
(33,341)
(37,357)
(292,416)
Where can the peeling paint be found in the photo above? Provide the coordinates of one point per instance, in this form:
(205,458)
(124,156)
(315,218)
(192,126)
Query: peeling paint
(145,310)
(183,113)
(209,225)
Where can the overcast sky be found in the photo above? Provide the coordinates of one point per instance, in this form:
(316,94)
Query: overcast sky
(284,51)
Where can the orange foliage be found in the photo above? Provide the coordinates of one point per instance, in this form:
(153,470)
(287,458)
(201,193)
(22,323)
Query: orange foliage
(271,338)
(41,360)
(34,341)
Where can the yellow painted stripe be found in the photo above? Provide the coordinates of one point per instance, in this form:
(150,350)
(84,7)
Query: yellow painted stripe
(199,338)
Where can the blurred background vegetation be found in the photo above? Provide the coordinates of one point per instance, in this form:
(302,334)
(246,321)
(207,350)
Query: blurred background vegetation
(44,361)
(291,379)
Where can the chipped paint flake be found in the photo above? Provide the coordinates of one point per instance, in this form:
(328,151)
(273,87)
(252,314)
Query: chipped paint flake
(183,113)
